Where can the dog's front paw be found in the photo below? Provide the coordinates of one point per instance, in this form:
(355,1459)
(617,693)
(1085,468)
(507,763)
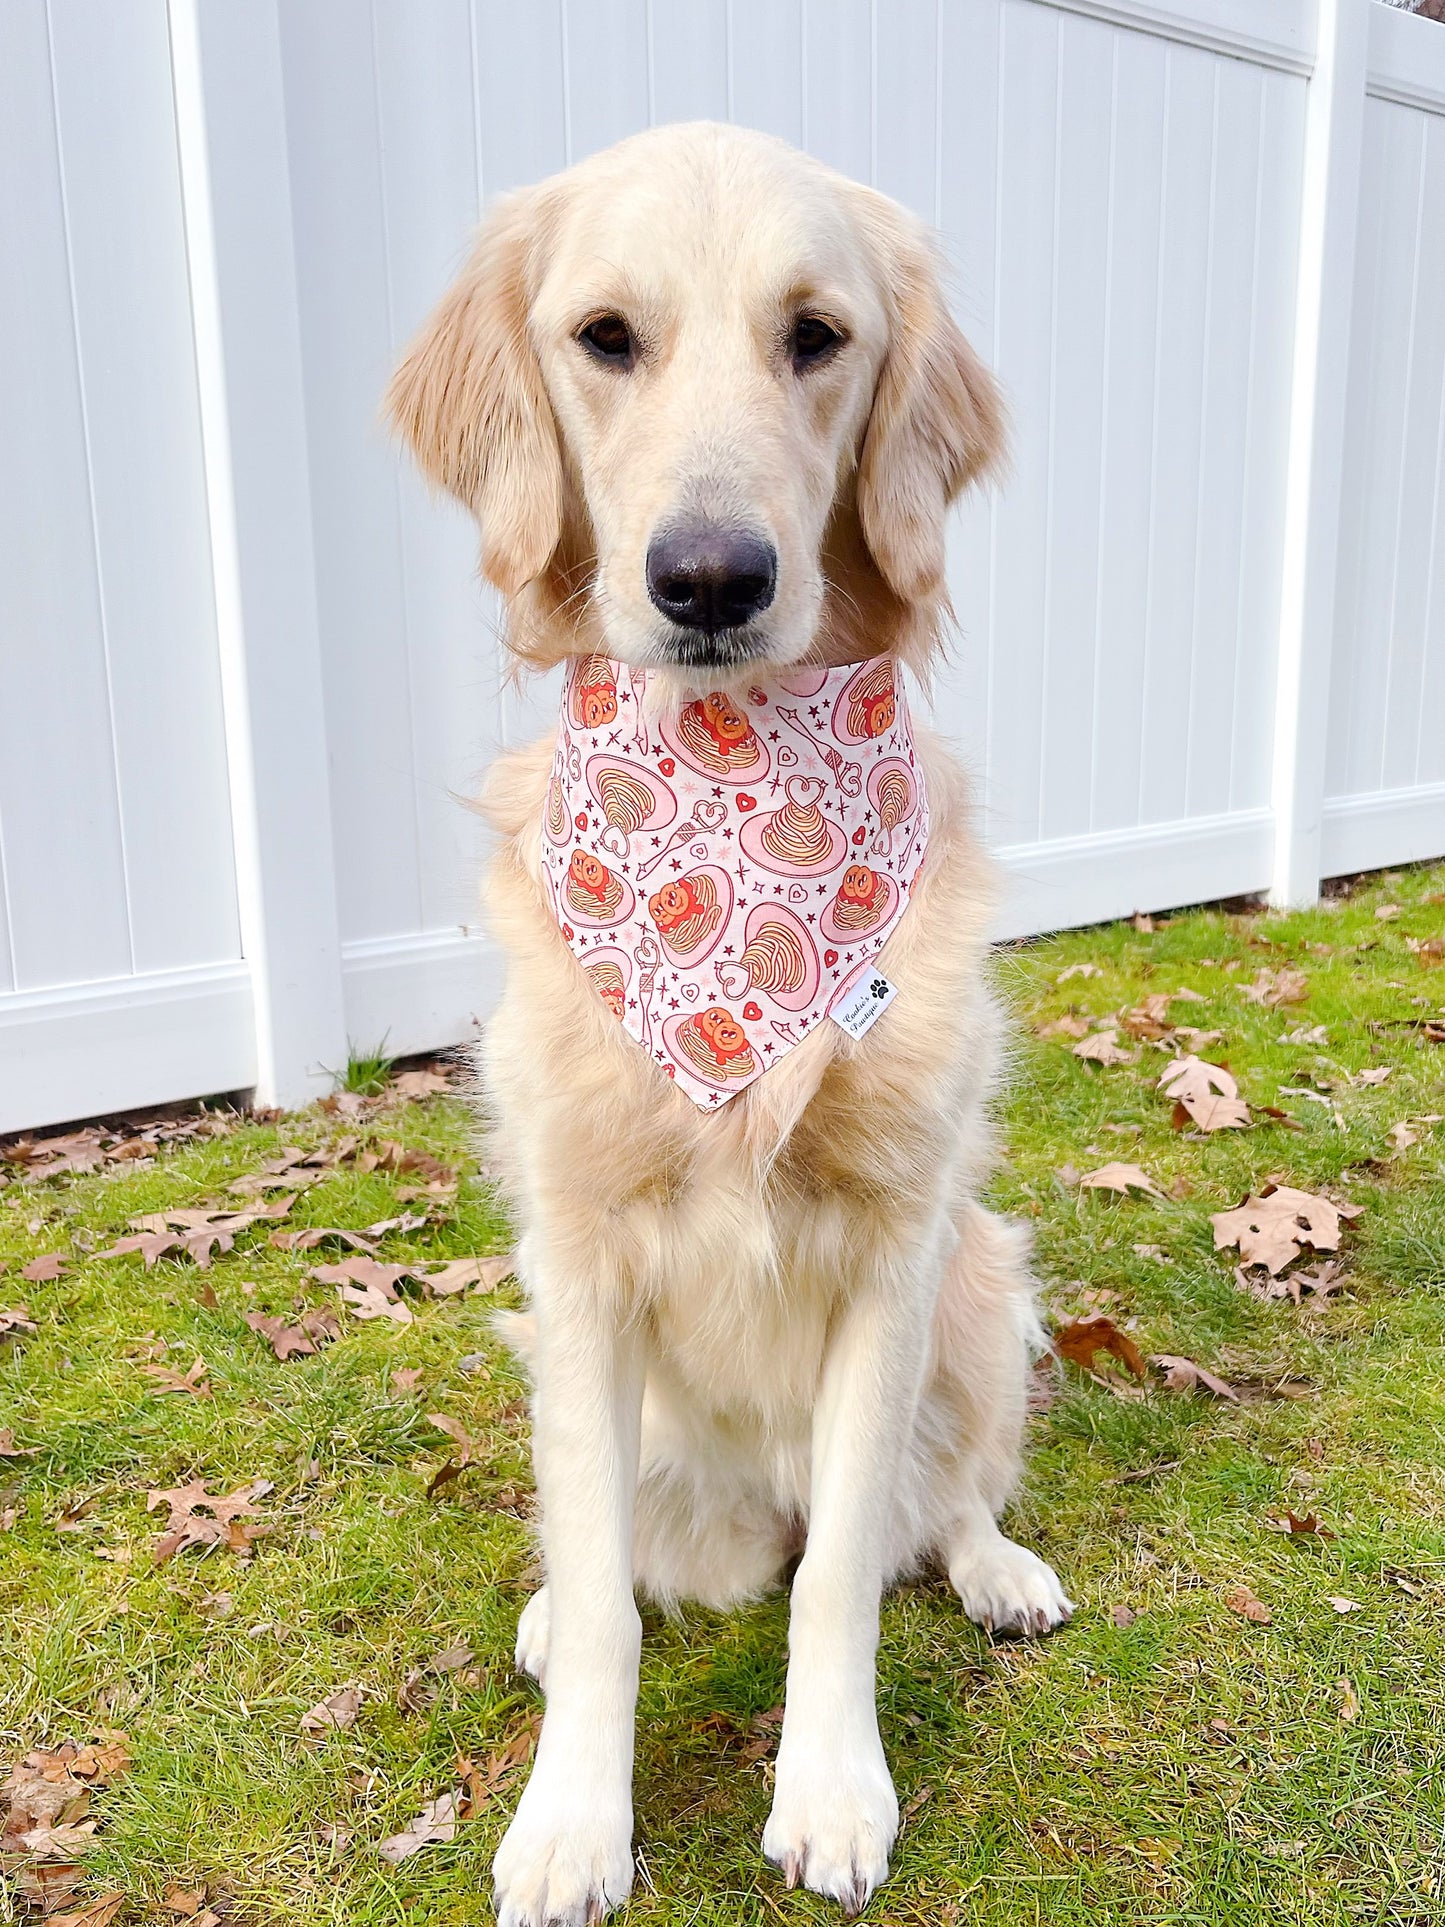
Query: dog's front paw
(1007,1589)
(566,1859)
(833,1821)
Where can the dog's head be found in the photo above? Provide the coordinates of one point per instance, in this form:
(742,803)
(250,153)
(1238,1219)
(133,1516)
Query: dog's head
(708,404)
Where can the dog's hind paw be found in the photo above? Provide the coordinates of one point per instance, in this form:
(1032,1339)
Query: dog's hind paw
(1007,1589)
(534,1632)
(832,1825)
(564,1861)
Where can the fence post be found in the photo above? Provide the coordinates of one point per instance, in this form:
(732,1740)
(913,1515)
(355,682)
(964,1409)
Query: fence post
(230,117)
(1329,218)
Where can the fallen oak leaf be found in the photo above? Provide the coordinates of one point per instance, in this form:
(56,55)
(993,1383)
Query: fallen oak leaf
(47,1884)
(1149,1020)
(97,1913)
(316,1328)
(1273,1228)
(1271,989)
(16,1321)
(10,1450)
(1184,1375)
(407,1221)
(195,1381)
(1067,1026)
(481,1274)
(1122,1178)
(1103,1048)
(42,1271)
(437,1822)
(369,1301)
(1241,1600)
(337,1713)
(1081,1340)
(1337,1603)
(201,1518)
(1292,1525)
(313,1235)
(1205,1093)
(367,1272)
(411,1085)
(185,1900)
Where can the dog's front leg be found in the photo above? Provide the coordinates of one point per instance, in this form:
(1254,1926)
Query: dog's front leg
(567,1856)
(834,1810)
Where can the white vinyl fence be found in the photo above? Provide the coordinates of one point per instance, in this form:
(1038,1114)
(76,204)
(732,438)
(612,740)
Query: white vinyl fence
(246,669)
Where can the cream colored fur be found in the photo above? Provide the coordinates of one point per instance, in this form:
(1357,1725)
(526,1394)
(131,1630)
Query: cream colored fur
(788,1327)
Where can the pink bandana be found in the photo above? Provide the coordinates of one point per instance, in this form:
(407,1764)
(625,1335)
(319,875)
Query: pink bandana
(723,874)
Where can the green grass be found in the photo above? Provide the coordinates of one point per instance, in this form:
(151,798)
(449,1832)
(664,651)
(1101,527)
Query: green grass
(1189,1767)
(366,1072)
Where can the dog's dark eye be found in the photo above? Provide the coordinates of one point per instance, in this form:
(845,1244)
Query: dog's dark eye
(609,338)
(813,340)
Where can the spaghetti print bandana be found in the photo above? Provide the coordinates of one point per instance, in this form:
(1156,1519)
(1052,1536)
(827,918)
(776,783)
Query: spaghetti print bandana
(723,873)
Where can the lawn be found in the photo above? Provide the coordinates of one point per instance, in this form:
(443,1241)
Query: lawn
(1163,1758)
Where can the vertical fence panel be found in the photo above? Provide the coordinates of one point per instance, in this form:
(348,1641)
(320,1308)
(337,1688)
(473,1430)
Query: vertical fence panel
(1385,766)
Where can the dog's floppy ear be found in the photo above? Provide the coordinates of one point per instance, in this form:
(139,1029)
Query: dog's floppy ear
(470,399)
(937,421)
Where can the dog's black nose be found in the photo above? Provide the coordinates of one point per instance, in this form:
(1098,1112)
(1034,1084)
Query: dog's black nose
(711,578)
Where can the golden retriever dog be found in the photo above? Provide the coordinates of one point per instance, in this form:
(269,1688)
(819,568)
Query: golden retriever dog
(709,407)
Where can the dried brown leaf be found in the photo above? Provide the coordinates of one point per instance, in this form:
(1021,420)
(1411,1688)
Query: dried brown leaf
(1206,1093)
(437,1821)
(1081,1340)
(96,1913)
(1184,1375)
(1241,1600)
(370,1301)
(1292,1525)
(1103,1048)
(194,1382)
(420,1083)
(286,1341)
(337,1713)
(201,1518)
(1271,989)
(1066,1026)
(1122,1178)
(480,1274)
(41,1271)
(1273,1228)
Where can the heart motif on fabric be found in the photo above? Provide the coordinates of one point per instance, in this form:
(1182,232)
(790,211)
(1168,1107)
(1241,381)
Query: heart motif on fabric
(699,865)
